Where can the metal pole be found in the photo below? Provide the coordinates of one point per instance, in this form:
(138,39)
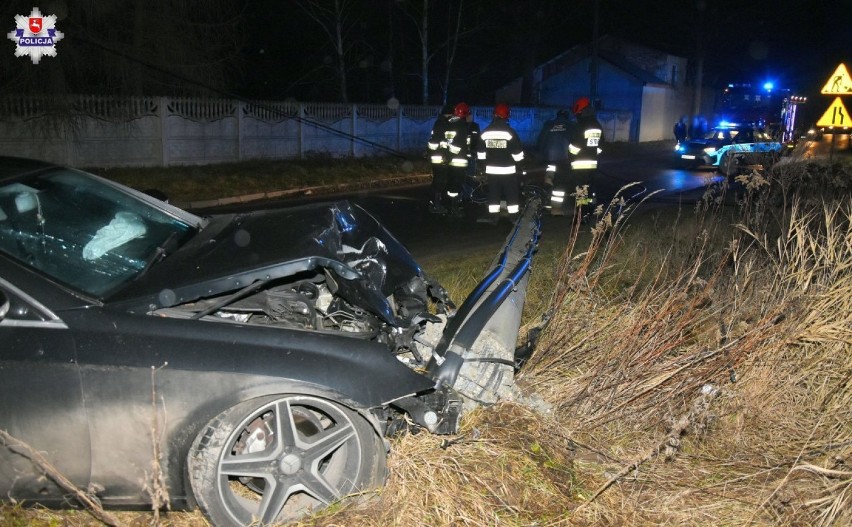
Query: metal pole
(833,142)
(593,80)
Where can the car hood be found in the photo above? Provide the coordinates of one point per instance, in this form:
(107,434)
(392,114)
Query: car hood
(701,144)
(236,250)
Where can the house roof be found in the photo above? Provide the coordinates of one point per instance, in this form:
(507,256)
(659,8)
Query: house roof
(610,49)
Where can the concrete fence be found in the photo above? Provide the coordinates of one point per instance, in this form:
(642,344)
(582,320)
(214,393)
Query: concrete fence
(96,131)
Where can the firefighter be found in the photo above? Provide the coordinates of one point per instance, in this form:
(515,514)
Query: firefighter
(585,147)
(461,136)
(553,144)
(472,168)
(437,146)
(501,153)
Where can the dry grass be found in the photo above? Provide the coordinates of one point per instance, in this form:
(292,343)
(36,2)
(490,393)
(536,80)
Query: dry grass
(723,381)
(699,370)
(700,378)
(184,184)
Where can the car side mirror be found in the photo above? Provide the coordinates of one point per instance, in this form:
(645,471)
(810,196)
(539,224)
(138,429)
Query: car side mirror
(4,305)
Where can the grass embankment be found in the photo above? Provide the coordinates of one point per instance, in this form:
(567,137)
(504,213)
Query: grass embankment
(185,184)
(699,368)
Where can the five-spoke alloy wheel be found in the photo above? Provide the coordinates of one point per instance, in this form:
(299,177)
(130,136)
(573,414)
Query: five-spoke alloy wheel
(273,460)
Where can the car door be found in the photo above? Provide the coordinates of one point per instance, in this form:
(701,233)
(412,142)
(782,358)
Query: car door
(746,140)
(41,401)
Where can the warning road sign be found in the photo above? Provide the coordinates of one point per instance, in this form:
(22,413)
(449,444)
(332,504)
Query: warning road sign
(836,115)
(839,83)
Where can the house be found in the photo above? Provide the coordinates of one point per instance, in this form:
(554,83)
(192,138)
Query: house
(641,92)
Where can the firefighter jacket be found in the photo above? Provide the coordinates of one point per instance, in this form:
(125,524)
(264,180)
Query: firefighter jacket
(554,139)
(461,138)
(586,143)
(500,149)
(437,143)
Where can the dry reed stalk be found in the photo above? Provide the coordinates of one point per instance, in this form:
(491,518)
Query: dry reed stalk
(787,330)
(503,469)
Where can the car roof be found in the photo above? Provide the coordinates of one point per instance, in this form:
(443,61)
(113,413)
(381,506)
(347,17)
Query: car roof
(11,167)
(735,126)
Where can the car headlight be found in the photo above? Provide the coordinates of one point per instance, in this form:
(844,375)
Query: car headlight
(679,148)
(710,151)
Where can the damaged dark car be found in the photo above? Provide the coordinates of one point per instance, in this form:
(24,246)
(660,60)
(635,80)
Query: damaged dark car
(251,365)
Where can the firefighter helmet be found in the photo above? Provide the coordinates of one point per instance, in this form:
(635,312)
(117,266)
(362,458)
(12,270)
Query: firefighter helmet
(461,110)
(502,111)
(581,104)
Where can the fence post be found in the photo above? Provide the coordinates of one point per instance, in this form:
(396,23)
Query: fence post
(163,114)
(301,124)
(68,139)
(239,106)
(399,128)
(353,131)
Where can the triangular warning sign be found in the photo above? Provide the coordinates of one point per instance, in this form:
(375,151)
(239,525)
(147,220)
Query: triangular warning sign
(836,115)
(839,83)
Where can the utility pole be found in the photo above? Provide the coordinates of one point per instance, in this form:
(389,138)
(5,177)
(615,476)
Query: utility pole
(593,73)
(700,5)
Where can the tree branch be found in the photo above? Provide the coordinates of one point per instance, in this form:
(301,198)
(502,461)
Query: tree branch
(90,502)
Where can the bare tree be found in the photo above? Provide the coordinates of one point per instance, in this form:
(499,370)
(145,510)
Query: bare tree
(419,16)
(337,20)
(419,12)
(452,45)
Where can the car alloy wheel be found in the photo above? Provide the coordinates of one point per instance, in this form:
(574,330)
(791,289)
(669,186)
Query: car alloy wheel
(275,460)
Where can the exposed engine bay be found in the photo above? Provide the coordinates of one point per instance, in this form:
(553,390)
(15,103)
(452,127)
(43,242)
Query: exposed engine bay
(314,303)
(345,296)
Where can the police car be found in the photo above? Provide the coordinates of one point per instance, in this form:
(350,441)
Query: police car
(726,147)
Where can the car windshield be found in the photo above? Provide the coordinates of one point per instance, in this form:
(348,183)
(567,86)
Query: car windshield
(85,231)
(722,134)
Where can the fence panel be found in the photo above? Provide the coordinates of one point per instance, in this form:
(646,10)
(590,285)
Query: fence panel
(102,143)
(161,131)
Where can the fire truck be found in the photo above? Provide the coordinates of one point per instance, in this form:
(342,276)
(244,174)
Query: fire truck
(768,108)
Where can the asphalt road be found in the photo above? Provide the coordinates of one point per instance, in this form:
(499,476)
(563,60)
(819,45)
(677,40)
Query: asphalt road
(404,210)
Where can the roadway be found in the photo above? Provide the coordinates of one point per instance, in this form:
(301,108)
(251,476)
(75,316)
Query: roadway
(404,210)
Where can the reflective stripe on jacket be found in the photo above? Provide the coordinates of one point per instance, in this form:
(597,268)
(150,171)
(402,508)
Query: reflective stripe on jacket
(585,143)
(500,148)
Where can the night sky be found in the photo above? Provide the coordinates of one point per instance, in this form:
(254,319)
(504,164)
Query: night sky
(272,50)
(795,44)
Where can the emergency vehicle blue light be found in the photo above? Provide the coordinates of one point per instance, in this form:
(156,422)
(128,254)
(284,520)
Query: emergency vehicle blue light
(768,86)
(725,123)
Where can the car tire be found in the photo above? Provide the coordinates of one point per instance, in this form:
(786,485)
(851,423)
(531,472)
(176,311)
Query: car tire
(729,165)
(310,451)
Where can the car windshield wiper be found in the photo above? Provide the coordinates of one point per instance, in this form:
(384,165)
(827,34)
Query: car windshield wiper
(158,254)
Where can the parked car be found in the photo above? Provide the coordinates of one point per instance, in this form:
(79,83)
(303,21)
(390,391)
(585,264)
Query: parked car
(726,148)
(258,359)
